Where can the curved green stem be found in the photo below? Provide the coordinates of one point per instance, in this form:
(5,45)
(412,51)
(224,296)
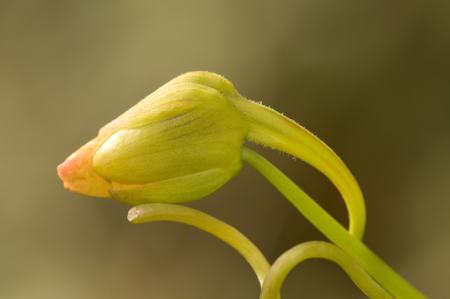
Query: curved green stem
(333,230)
(271,128)
(324,250)
(176,213)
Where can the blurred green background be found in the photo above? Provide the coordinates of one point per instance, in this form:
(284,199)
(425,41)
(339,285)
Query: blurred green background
(371,78)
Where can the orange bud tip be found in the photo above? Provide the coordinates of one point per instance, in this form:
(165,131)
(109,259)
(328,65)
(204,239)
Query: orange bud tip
(79,176)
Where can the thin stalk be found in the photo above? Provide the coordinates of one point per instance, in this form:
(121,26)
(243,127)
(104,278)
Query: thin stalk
(324,250)
(332,229)
(273,129)
(225,232)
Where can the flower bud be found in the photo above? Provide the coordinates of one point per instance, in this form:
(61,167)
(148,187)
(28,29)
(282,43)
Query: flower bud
(184,141)
(179,144)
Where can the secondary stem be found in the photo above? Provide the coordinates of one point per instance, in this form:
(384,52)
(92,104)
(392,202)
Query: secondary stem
(332,229)
(225,232)
(324,250)
(273,129)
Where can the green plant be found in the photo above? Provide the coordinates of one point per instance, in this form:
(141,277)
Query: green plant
(186,140)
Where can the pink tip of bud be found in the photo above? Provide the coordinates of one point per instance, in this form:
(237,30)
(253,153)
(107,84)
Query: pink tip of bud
(79,176)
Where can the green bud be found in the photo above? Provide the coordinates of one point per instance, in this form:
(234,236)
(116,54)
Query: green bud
(184,141)
(179,144)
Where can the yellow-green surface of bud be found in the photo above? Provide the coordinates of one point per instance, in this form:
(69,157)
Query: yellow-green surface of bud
(180,143)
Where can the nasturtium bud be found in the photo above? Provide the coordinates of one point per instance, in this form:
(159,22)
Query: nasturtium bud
(179,144)
(184,141)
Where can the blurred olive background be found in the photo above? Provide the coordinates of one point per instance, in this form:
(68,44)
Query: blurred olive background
(371,78)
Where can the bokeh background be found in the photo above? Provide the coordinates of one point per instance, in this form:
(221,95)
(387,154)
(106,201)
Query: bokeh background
(371,78)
